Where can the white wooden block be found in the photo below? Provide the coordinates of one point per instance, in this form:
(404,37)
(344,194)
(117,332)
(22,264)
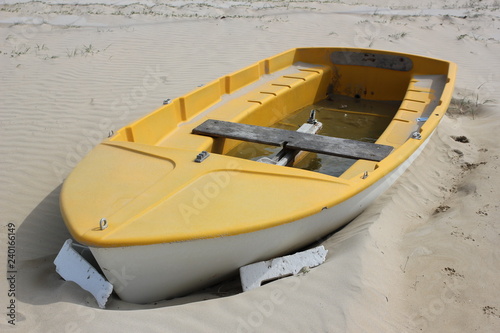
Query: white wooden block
(253,275)
(73,267)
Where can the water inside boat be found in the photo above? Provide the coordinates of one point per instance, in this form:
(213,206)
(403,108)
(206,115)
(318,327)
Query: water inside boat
(343,117)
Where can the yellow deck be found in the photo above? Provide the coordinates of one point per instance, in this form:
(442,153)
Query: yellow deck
(145,183)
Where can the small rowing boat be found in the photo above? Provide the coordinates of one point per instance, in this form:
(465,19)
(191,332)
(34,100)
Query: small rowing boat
(253,165)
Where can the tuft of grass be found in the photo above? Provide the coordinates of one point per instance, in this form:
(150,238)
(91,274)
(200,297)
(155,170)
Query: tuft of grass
(42,47)
(428,27)
(467,105)
(85,50)
(72,53)
(88,49)
(398,35)
(19,51)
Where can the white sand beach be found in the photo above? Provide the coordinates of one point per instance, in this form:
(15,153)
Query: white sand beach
(424,258)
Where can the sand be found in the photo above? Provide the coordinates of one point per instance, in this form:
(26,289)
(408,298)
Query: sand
(423,257)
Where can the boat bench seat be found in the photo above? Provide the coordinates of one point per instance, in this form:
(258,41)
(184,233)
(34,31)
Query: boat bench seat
(294,140)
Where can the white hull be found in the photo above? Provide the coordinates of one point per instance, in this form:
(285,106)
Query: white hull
(142,274)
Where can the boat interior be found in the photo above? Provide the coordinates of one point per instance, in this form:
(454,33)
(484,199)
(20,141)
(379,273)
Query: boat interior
(378,97)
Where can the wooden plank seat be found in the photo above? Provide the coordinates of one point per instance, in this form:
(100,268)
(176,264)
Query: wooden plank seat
(294,140)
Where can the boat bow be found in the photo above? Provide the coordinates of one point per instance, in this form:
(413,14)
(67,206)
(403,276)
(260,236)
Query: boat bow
(150,194)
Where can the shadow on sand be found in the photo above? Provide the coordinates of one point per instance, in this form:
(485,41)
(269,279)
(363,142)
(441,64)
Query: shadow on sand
(39,239)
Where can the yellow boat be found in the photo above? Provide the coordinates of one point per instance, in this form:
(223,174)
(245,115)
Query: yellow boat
(221,177)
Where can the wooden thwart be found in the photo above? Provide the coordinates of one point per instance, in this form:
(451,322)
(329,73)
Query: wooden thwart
(294,140)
